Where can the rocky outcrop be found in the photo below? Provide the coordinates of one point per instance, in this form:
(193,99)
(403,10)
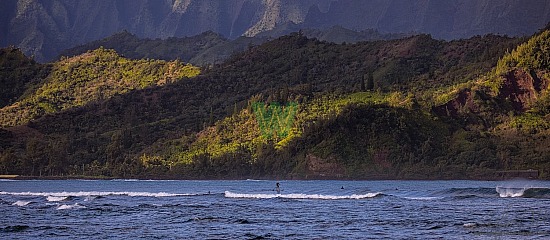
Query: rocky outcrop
(462,103)
(521,89)
(42,28)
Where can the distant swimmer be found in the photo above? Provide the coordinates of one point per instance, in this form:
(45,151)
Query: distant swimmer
(342,187)
(278,188)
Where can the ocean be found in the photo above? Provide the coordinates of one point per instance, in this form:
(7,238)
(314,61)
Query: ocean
(252,209)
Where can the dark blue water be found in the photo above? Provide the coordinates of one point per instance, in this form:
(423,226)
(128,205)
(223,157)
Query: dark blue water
(126,209)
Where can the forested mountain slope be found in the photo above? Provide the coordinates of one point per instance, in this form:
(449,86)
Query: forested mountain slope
(17,73)
(301,108)
(92,76)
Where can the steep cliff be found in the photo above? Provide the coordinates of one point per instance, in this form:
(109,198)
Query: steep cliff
(442,19)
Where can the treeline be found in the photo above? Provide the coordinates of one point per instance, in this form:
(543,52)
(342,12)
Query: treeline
(365,110)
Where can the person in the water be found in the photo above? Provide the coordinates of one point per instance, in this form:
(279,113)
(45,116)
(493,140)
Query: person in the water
(278,188)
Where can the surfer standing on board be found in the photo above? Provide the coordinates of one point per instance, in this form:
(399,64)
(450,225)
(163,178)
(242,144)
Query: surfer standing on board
(278,188)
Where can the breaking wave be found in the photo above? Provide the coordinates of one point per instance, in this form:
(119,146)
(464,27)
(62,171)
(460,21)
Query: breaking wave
(71,206)
(60,196)
(526,192)
(229,194)
(57,199)
(21,203)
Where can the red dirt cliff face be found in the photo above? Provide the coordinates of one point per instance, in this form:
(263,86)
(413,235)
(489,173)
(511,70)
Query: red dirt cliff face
(462,103)
(521,89)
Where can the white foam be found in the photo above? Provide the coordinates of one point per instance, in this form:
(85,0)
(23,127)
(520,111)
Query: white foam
(469,225)
(90,198)
(21,203)
(53,195)
(229,194)
(72,206)
(160,194)
(56,199)
(510,192)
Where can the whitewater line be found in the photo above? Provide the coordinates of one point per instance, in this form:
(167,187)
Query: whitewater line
(56,196)
(229,194)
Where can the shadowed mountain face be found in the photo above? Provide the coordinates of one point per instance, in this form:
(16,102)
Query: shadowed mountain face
(43,28)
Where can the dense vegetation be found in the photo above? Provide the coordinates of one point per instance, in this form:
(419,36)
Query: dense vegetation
(17,73)
(409,108)
(92,76)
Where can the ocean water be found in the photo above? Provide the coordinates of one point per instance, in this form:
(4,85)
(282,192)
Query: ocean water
(252,209)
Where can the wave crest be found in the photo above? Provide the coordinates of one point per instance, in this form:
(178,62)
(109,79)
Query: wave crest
(229,194)
(57,199)
(505,192)
(21,203)
(60,196)
(72,206)
(526,192)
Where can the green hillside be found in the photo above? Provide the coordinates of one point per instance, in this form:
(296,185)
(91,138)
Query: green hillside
(301,108)
(17,73)
(391,135)
(93,76)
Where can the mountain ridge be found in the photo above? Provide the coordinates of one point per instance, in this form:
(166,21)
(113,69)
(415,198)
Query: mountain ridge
(209,48)
(44,28)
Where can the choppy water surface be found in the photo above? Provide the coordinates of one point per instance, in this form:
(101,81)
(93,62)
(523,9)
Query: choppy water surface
(251,209)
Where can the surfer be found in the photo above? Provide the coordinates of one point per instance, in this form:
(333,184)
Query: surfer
(278,188)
